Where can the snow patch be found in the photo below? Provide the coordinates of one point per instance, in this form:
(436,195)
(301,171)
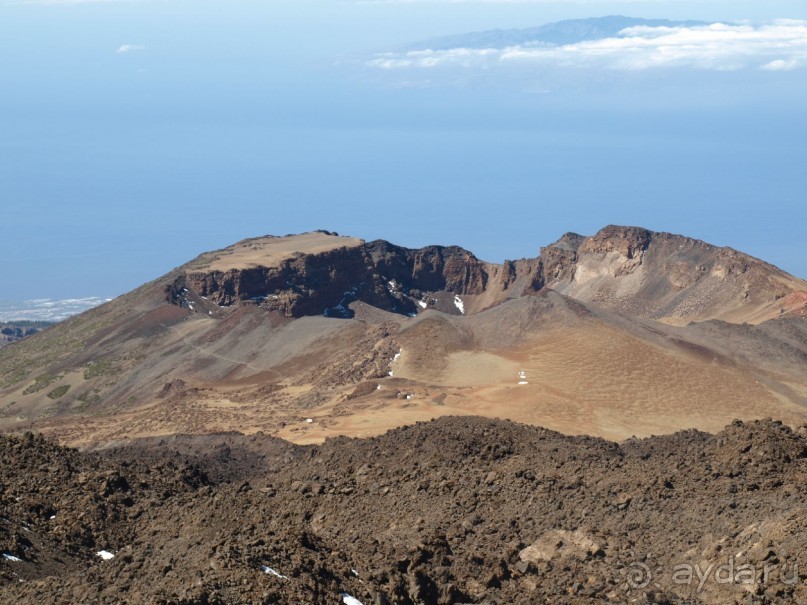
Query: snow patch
(105,555)
(348,600)
(309,420)
(394,359)
(422,304)
(273,572)
(14,559)
(459,304)
(523,382)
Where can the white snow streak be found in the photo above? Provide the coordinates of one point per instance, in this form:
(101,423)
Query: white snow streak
(273,572)
(459,304)
(348,600)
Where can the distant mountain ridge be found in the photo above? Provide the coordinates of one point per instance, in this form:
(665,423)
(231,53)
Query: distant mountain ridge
(570,31)
(624,332)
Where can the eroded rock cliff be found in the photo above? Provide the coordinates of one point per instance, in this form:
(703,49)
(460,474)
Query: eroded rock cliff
(625,269)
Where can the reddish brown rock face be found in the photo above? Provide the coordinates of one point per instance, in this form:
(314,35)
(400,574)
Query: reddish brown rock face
(627,241)
(377,273)
(626,269)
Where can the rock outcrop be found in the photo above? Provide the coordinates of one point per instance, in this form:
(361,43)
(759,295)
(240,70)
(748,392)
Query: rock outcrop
(626,269)
(378,273)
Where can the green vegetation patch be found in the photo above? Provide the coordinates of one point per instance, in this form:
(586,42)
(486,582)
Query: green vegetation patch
(59,391)
(13,377)
(85,400)
(41,382)
(101,367)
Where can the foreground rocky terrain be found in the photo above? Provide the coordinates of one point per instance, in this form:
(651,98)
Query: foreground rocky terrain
(625,332)
(459,510)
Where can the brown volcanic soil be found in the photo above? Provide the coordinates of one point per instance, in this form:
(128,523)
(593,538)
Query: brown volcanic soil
(312,336)
(587,371)
(459,510)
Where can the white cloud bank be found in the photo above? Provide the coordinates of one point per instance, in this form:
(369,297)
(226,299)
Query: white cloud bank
(509,1)
(70,2)
(779,46)
(64,2)
(45,309)
(129,48)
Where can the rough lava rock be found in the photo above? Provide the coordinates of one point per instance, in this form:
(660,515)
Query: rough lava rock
(459,510)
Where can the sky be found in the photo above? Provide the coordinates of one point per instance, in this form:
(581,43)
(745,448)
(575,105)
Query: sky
(136,134)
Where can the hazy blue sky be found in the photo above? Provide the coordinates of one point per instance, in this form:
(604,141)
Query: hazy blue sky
(134,135)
